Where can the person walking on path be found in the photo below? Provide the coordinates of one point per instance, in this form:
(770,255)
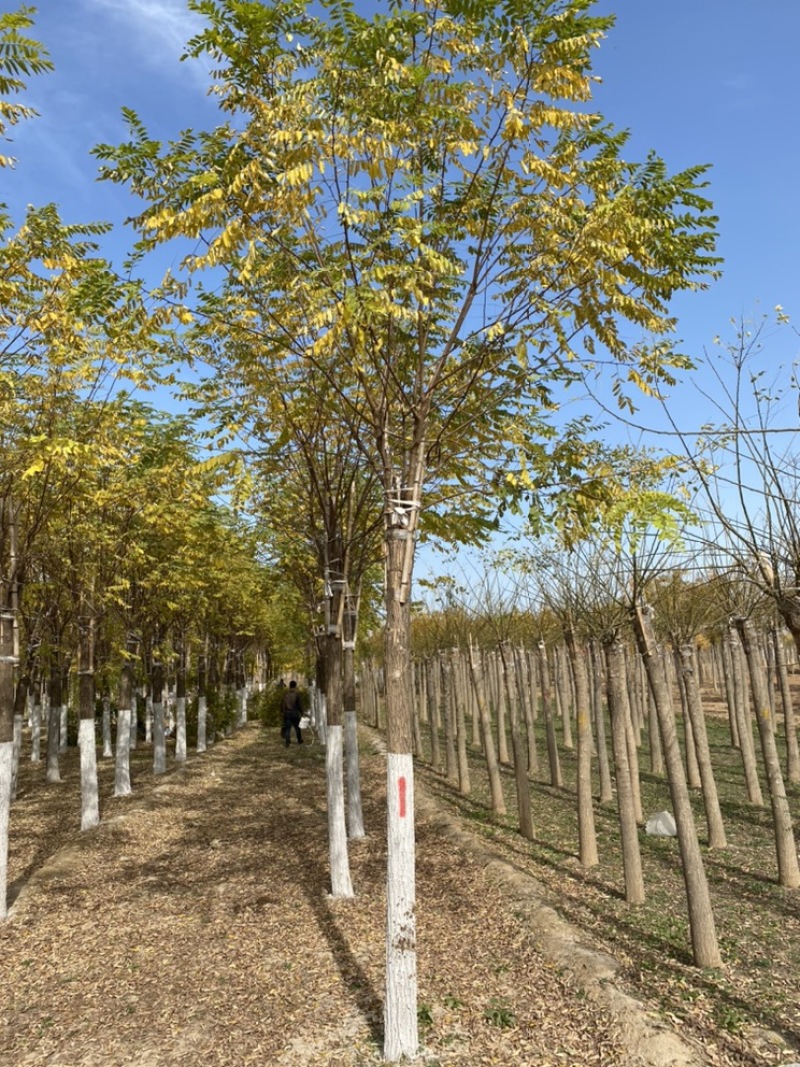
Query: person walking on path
(292,709)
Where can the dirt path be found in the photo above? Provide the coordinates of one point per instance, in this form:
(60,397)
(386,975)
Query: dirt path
(194,927)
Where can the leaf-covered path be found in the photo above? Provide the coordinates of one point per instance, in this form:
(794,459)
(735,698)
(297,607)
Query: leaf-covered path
(195,927)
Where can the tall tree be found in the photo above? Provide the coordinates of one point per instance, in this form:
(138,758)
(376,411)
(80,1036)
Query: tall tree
(428,214)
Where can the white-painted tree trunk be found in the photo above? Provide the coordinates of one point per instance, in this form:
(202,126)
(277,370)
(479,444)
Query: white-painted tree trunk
(62,732)
(148,718)
(52,772)
(90,805)
(400,1014)
(16,753)
(201,724)
(36,732)
(6,760)
(122,765)
(355,815)
(108,751)
(341,885)
(134,723)
(242,696)
(180,731)
(159,739)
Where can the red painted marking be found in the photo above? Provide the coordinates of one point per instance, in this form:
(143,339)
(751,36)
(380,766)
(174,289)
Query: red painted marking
(401,789)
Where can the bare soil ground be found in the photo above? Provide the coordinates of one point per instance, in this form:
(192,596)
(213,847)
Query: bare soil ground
(195,926)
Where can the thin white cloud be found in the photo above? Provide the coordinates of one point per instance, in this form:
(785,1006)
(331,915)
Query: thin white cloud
(159,29)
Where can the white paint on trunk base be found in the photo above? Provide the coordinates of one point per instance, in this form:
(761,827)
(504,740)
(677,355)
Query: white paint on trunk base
(122,766)
(180,730)
(159,740)
(201,724)
(6,760)
(401,1035)
(36,733)
(107,749)
(242,695)
(341,885)
(90,805)
(62,734)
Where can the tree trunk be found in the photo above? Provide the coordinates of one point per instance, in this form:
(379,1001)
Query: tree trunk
(790,728)
(527,688)
(125,712)
(401,1032)
(450,759)
(6,740)
(431,668)
(90,805)
(518,749)
(355,813)
(629,834)
(604,770)
(202,700)
(341,884)
(587,837)
(788,868)
(694,711)
(692,766)
(547,714)
(180,699)
(492,765)
(52,772)
(459,711)
(743,724)
(20,700)
(157,688)
(705,948)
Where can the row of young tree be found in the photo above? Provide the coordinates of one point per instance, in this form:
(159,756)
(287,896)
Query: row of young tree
(420,235)
(495,675)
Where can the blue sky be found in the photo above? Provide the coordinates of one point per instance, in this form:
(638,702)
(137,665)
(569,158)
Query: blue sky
(699,81)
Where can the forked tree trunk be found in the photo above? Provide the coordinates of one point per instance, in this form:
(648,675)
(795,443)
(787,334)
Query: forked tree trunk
(587,838)
(629,834)
(705,948)
(788,868)
(401,1031)
(694,710)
